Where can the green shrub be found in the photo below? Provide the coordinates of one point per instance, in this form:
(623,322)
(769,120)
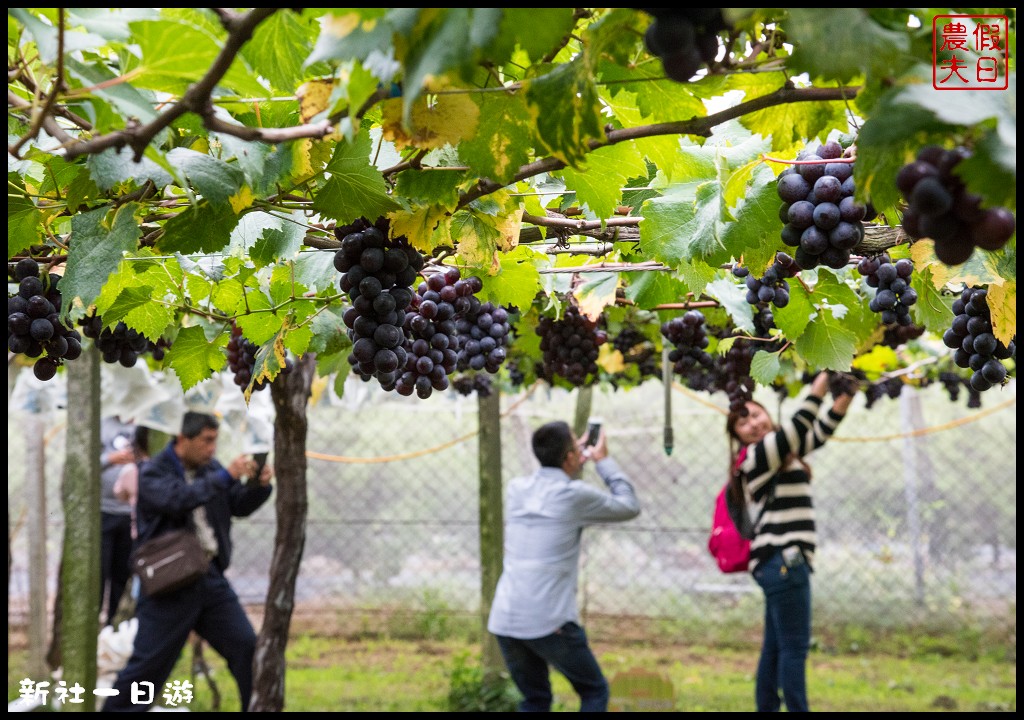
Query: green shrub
(470,692)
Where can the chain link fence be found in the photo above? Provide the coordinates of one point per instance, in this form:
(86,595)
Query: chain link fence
(915,501)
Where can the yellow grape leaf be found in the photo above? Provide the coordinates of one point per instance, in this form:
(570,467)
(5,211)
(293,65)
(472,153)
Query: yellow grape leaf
(596,292)
(314,97)
(610,359)
(880,360)
(1002,303)
(444,121)
(419,225)
(509,227)
(977,270)
(241,199)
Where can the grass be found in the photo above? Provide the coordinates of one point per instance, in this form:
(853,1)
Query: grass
(375,668)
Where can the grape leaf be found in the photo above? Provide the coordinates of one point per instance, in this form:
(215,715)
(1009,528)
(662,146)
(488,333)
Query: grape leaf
(595,292)
(278,46)
(794,318)
(648,289)
(195,358)
(599,184)
(764,367)
(330,334)
(535,30)
(930,310)
(202,228)
(96,251)
(258,326)
(129,100)
(732,297)
(24,226)
(566,110)
(276,244)
(135,306)
(877,361)
(214,179)
(476,236)
(114,166)
(826,343)
(1002,304)
(431,186)
(655,97)
(856,44)
(445,120)
(516,282)
(501,144)
(355,189)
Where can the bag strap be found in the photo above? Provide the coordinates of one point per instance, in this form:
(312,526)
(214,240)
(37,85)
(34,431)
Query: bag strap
(769,497)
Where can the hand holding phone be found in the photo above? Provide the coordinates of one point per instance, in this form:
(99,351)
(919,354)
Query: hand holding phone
(593,431)
(261,461)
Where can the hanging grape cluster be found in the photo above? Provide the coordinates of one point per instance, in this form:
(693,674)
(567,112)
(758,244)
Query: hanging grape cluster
(896,335)
(34,328)
(377,274)
(638,350)
(822,219)
(120,344)
(974,344)
(570,347)
(689,336)
(684,39)
(894,296)
(473,382)
(940,207)
(432,339)
(242,360)
(773,286)
(484,329)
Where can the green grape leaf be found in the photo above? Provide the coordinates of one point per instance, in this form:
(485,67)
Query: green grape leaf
(135,306)
(826,343)
(316,271)
(214,179)
(330,334)
(733,299)
(856,44)
(517,280)
(24,225)
(932,309)
(355,189)
(277,49)
(655,97)
(100,239)
(648,289)
(696,274)
(204,228)
(765,367)
(566,111)
(194,358)
(793,319)
(535,30)
(607,170)
(274,244)
(114,166)
(257,326)
(129,100)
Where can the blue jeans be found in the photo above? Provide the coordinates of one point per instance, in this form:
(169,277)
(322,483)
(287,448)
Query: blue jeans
(567,651)
(787,634)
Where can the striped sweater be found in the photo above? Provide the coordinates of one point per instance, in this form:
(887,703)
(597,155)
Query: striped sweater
(789,518)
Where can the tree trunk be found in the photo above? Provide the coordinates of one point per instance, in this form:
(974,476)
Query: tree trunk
(291,395)
(80,562)
(38,571)
(584,400)
(491,525)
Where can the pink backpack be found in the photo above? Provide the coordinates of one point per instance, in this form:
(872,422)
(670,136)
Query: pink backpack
(727,544)
(730,549)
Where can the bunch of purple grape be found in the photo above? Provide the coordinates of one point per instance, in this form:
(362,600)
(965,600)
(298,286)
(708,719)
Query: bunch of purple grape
(940,207)
(684,39)
(974,344)
(892,280)
(773,286)
(570,347)
(242,360)
(34,328)
(120,344)
(377,273)
(823,221)
(689,336)
(432,340)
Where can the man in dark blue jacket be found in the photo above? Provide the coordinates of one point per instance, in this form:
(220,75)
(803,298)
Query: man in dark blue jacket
(184,486)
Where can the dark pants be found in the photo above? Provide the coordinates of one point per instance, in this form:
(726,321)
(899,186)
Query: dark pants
(787,635)
(114,560)
(211,608)
(567,651)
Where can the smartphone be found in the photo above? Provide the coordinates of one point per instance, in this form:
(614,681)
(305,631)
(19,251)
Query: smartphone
(593,431)
(261,460)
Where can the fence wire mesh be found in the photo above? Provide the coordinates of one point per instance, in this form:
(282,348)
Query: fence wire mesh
(915,501)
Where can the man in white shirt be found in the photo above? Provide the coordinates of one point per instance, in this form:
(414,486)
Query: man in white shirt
(534,615)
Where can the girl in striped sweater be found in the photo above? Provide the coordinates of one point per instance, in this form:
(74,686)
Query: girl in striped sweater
(775,483)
